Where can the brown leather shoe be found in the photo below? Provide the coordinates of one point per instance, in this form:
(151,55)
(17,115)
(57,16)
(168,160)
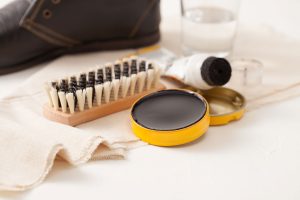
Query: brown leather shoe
(33,31)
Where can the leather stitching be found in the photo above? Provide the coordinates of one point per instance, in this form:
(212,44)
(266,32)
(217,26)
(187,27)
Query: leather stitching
(141,19)
(36,9)
(43,32)
(53,34)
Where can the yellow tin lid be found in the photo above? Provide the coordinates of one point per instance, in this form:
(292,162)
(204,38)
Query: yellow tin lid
(225,104)
(170,117)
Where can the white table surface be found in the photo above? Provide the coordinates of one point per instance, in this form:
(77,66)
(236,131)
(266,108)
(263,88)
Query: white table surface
(255,158)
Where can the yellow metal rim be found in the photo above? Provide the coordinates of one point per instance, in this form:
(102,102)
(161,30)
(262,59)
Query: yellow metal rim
(172,137)
(217,120)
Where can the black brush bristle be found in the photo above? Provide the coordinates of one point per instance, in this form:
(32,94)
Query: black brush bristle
(108,74)
(133,67)
(82,81)
(117,69)
(142,66)
(54,84)
(100,78)
(63,87)
(91,82)
(91,76)
(73,80)
(125,69)
(150,66)
(91,79)
(72,88)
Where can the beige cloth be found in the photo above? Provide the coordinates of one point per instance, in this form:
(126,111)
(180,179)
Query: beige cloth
(29,143)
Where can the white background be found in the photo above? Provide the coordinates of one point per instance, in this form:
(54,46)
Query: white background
(255,158)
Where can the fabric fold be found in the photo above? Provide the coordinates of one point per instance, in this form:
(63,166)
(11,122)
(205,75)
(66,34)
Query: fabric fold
(30,143)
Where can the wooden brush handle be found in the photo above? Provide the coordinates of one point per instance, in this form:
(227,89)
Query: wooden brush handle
(96,112)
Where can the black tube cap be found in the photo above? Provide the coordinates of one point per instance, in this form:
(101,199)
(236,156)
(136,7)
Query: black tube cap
(216,71)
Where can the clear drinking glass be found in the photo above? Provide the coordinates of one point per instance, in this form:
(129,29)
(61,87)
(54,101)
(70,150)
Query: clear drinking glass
(208,26)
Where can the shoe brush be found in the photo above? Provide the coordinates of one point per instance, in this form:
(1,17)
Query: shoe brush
(102,91)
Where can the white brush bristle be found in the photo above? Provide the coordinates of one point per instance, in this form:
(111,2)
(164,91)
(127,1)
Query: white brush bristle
(102,85)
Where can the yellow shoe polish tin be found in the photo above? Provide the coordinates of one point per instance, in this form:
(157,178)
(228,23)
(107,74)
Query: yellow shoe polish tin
(178,116)
(170,117)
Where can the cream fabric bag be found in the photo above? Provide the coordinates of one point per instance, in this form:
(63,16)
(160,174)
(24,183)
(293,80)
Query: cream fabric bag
(29,143)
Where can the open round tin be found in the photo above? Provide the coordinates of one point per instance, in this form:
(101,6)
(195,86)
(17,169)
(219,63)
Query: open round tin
(170,117)
(225,104)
